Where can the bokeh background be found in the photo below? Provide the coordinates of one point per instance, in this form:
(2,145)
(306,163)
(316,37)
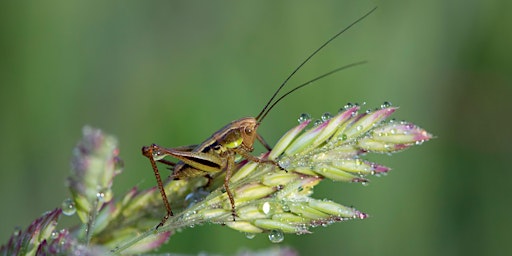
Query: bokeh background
(172,73)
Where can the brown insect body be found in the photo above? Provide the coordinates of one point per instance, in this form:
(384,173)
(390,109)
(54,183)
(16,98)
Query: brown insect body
(238,135)
(207,159)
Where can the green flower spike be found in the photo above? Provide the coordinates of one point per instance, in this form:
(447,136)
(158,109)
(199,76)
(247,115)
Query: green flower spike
(272,200)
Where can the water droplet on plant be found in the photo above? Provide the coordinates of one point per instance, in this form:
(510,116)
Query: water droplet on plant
(348,106)
(265,208)
(54,235)
(284,163)
(250,235)
(195,197)
(68,207)
(326,116)
(359,127)
(276,236)
(344,137)
(17,231)
(368,111)
(317,122)
(304,117)
(386,104)
(100,196)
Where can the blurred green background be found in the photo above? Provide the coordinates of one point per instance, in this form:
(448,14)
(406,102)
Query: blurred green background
(173,72)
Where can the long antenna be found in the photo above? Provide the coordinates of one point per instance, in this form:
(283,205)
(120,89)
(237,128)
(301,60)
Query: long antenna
(308,58)
(310,82)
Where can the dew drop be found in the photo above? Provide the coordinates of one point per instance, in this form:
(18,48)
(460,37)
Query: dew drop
(326,116)
(317,122)
(368,111)
(68,207)
(100,196)
(344,137)
(17,231)
(266,208)
(276,236)
(284,163)
(195,197)
(304,117)
(359,127)
(348,106)
(54,235)
(250,235)
(158,155)
(386,104)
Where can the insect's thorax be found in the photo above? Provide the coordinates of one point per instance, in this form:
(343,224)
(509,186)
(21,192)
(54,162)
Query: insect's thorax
(237,135)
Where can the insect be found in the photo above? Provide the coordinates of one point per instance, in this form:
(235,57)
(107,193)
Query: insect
(217,153)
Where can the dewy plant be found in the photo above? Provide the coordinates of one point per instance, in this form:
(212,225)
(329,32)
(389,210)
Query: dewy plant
(268,199)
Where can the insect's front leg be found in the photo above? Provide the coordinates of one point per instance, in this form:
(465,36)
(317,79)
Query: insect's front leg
(250,157)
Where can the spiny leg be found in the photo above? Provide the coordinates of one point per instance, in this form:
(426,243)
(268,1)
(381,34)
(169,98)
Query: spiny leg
(229,172)
(148,152)
(250,157)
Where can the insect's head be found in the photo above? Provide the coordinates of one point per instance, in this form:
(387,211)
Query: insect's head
(248,130)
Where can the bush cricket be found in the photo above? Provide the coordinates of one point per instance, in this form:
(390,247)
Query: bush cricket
(217,153)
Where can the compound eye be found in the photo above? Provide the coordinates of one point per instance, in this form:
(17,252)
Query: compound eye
(248,130)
